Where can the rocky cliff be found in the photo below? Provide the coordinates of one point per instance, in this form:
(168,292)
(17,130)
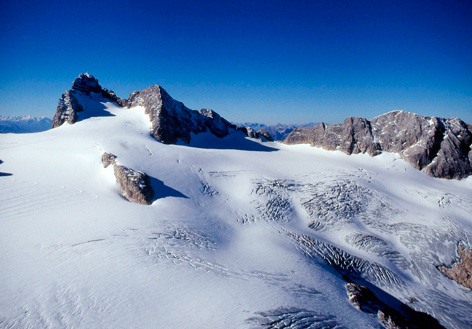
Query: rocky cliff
(439,147)
(68,107)
(171,120)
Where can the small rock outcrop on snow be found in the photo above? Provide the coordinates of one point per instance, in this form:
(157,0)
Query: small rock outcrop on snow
(262,134)
(461,271)
(108,159)
(364,300)
(134,185)
(437,146)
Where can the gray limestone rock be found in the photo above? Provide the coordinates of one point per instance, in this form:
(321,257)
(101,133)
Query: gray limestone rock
(440,147)
(217,125)
(134,185)
(69,105)
(460,271)
(262,134)
(66,110)
(172,121)
(251,133)
(265,134)
(86,83)
(108,159)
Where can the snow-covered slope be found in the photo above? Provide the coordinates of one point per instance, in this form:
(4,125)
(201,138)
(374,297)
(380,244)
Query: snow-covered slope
(24,124)
(240,234)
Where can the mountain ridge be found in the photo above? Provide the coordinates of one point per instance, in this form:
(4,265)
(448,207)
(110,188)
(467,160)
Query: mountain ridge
(439,147)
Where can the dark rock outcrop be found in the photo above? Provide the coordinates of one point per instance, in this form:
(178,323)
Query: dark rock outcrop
(66,110)
(265,134)
(364,300)
(437,146)
(134,185)
(460,271)
(262,134)
(172,121)
(69,106)
(108,159)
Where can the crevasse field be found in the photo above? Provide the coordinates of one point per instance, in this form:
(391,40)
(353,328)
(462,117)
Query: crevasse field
(241,233)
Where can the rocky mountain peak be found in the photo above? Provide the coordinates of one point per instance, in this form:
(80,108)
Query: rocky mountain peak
(439,147)
(171,120)
(86,83)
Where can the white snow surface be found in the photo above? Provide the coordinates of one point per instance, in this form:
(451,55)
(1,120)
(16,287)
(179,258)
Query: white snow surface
(220,245)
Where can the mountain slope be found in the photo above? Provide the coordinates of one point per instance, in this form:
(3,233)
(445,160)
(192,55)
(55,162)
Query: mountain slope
(240,233)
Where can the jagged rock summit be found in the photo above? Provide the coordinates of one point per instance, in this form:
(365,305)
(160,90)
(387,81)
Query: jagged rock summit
(171,120)
(69,106)
(437,146)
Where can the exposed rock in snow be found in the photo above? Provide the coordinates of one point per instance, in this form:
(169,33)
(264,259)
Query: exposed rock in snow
(265,134)
(108,159)
(86,83)
(461,271)
(172,121)
(437,146)
(262,134)
(251,133)
(66,110)
(68,106)
(135,185)
(364,300)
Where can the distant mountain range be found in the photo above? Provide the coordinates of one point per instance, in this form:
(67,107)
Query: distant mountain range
(279,131)
(23,124)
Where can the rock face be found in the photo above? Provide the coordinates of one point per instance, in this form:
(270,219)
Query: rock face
(265,134)
(461,271)
(172,121)
(135,185)
(437,146)
(364,300)
(262,134)
(69,106)
(66,110)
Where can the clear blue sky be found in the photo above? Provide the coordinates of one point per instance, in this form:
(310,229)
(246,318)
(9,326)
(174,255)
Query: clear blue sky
(265,61)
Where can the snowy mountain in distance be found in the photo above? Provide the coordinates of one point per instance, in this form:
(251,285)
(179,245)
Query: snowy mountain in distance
(238,233)
(23,124)
(279,131)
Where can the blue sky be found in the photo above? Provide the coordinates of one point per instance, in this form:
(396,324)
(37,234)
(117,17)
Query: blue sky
(264,61)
